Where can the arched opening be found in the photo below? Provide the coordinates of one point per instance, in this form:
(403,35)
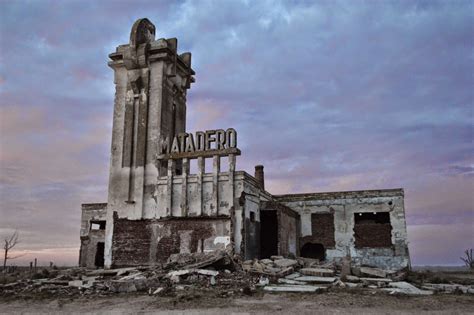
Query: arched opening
(313,250)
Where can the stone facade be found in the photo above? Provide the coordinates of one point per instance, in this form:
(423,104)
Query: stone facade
(156,207)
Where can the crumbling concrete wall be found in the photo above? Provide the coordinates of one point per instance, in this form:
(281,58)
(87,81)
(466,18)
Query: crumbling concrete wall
(250,201)
(152,241)
(91,213)
(345,205)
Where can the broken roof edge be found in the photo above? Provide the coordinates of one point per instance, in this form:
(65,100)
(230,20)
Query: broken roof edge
(393,192)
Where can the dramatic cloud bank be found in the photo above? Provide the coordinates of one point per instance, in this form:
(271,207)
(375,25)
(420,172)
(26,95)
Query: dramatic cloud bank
(328,95)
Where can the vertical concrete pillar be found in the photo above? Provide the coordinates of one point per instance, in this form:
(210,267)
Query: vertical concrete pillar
(216,166)
(169,190)
(201,170)
(231,176)
(184,188)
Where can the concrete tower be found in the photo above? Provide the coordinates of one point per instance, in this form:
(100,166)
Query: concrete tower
(151,81)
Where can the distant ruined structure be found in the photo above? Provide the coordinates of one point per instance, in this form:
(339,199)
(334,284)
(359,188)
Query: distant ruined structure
(156,207)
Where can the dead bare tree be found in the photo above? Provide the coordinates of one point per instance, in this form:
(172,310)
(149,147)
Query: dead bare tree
(10,242)
(469,259)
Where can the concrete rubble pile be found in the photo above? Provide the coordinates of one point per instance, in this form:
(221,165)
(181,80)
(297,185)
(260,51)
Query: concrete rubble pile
(227,275)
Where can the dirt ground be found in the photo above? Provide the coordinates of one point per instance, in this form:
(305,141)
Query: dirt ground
(333,302)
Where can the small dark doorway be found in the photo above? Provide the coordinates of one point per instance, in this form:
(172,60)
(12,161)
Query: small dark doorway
(313,250)
(268,233)
(99,255)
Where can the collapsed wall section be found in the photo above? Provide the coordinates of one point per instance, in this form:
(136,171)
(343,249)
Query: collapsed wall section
(152,241)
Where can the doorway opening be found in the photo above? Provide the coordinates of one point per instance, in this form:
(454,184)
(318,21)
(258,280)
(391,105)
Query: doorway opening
(268,233)
(99,255)
(313,250)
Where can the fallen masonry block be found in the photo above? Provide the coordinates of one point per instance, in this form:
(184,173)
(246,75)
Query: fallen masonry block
(373,272)
(207,272)
(276,257)
(316,279)
(406,288)
(293,288)
(284,263)
(320,272)
(289,281)
(375,279)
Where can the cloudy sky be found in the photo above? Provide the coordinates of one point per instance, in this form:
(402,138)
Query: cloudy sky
(328,95)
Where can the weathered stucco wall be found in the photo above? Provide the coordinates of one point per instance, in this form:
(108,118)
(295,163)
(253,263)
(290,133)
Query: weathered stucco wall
(345,205)
(95,212)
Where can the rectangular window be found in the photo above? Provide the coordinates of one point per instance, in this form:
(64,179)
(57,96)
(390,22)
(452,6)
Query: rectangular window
(97,225)
(372,229)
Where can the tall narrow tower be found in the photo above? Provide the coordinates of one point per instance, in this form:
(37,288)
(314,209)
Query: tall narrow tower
(151,81)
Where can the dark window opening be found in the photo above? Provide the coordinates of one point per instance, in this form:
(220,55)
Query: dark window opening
(313,250)
(99,255)
(252,216)
(322,227)
(372,217)
(372,229)
(97,225)
(268,233)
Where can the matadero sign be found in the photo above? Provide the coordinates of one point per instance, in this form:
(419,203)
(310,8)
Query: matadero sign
(202,144)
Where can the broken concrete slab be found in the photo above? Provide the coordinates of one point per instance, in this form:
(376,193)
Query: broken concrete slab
(293,288)
(375,280)
(289,281)
(178,273)
(132,276)
(293,275)
(373,272)
(206,272)
(285,263)
(403,287)
(266,261)
(319,272)
(314,279)
(276,257)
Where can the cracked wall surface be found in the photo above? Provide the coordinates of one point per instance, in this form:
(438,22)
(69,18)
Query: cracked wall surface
(345,205)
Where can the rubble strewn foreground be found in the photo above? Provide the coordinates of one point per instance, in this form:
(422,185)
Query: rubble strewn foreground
(226,275)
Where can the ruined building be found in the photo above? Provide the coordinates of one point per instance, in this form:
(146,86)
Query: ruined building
(156,207)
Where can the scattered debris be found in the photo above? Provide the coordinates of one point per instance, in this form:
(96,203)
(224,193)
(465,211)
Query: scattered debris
(220,271)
